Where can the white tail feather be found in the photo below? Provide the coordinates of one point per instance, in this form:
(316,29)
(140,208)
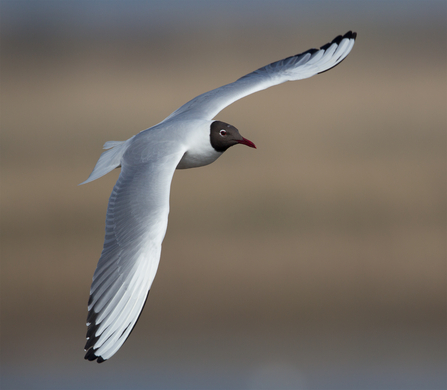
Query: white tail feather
(109,160)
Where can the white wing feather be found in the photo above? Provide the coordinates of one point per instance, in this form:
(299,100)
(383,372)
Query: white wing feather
(300,66)
(136,222)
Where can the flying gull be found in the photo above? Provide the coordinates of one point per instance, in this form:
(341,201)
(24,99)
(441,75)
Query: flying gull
(137,214)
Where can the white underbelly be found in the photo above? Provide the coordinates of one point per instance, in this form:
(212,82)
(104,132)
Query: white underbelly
(194,160)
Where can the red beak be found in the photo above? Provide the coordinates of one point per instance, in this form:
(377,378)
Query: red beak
(247,142)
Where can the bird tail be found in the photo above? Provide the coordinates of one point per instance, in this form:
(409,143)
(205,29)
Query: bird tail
(109,160)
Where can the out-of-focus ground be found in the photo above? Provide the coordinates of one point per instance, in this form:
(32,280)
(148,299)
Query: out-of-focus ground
(316,261)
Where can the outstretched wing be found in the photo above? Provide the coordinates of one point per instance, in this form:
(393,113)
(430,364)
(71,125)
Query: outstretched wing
(300,66)
(136,223)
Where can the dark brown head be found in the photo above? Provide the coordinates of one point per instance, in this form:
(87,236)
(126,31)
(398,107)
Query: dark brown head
(223,135)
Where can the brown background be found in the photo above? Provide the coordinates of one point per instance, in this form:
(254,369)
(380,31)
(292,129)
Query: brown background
(316,261)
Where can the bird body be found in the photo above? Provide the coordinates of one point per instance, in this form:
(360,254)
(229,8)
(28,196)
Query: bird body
(137,213)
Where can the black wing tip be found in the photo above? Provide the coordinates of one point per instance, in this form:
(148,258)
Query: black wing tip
(310,51)
(92,338)
(92,327)
(91,341)
(350,35)
(91,356)
(337,40)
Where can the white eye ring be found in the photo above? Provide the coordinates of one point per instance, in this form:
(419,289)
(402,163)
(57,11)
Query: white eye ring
(223,133)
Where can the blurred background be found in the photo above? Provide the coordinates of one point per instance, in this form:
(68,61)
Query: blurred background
(316,261)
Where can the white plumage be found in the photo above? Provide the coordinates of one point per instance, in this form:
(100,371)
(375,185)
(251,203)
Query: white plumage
(137,213)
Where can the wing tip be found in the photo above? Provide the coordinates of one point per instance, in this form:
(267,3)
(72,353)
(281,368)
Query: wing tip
(350,35)
(337,40)
(91,337)
(91,356)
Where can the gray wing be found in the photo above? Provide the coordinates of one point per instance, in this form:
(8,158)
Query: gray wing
(137,217)
(300,66)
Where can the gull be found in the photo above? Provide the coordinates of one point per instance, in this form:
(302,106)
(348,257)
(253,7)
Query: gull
(137,213)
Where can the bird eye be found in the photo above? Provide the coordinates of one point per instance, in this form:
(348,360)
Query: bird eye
(223,133)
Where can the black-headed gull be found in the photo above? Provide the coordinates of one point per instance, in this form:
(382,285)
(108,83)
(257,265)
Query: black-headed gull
(137,214)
